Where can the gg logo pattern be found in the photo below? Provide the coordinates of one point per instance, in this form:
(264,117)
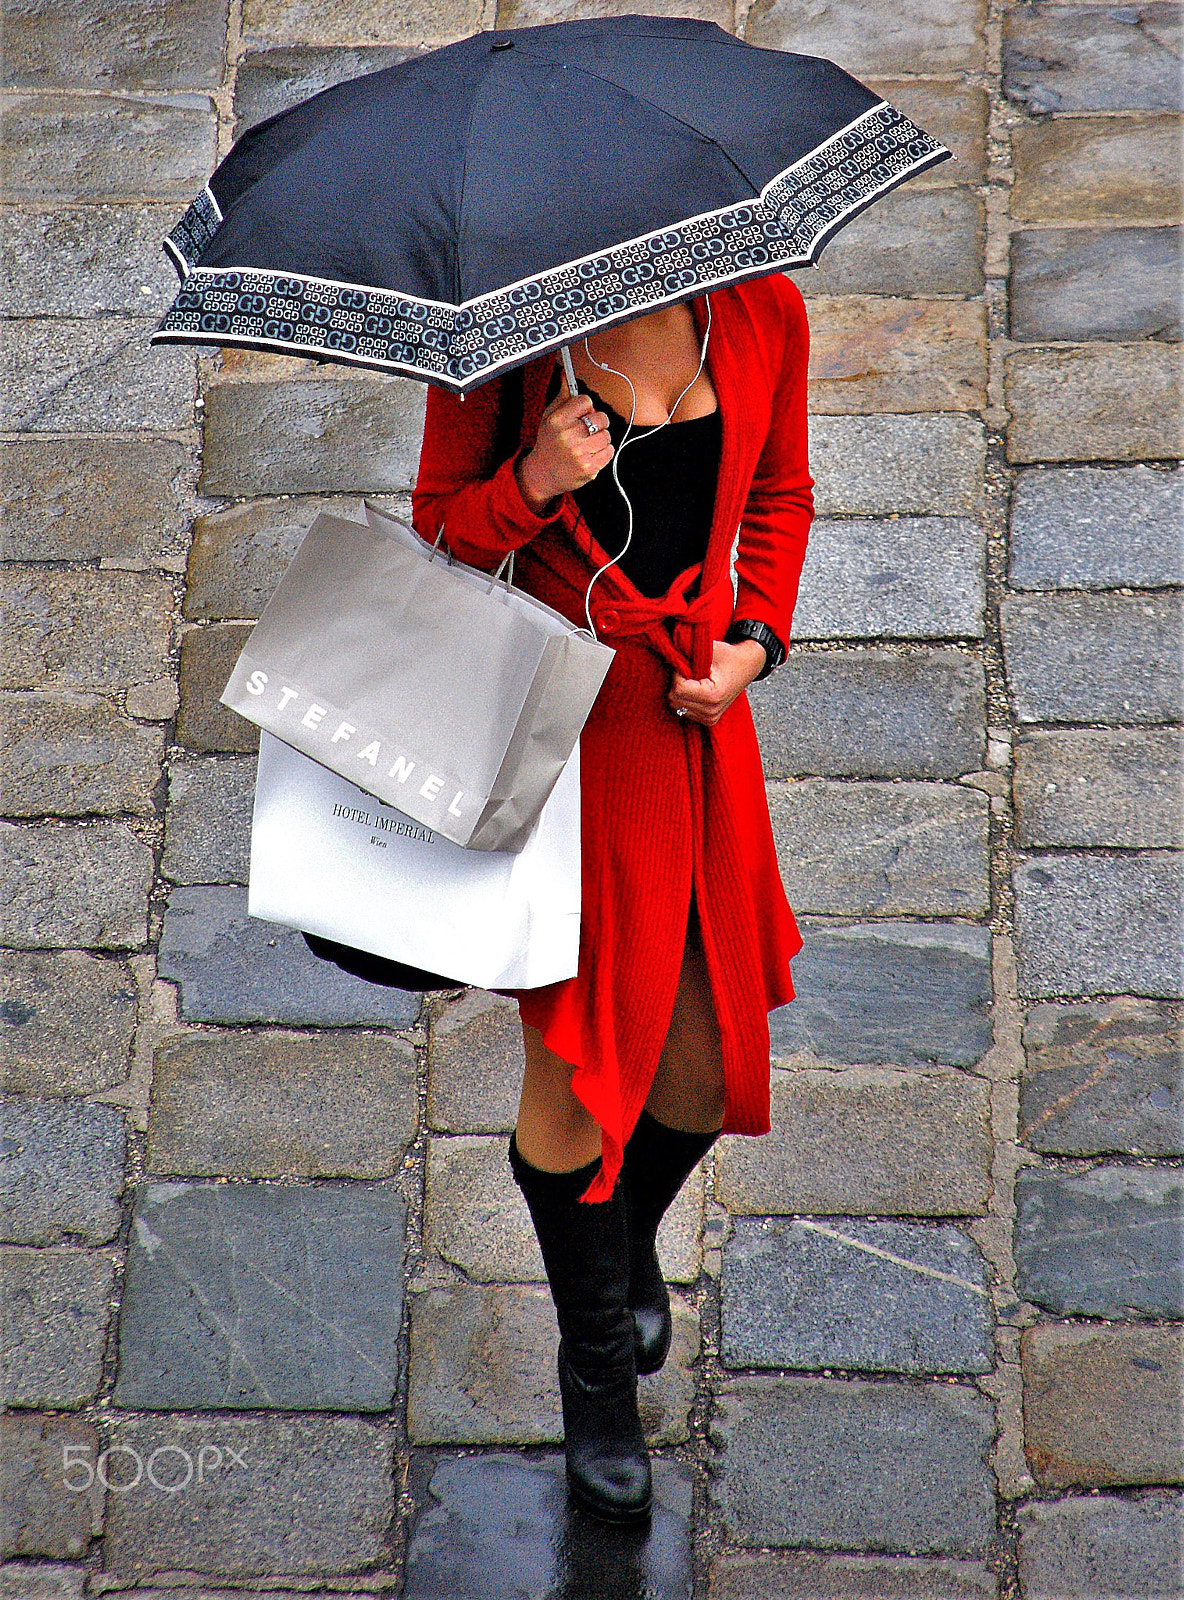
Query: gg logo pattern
(461,345)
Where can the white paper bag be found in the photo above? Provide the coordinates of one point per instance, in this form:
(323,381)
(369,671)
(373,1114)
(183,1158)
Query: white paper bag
(330,859)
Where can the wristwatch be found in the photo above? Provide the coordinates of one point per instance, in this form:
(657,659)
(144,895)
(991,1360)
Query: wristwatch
(746,628)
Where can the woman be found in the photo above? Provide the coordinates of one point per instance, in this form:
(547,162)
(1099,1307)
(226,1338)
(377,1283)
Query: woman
(661,1040)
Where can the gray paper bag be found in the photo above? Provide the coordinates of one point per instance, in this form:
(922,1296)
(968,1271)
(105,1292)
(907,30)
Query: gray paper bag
(437,688)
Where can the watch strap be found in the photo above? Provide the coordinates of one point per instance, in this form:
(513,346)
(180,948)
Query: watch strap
(747,628)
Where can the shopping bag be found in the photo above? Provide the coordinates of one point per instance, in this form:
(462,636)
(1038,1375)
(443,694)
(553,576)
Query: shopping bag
(436,688)
(327,858)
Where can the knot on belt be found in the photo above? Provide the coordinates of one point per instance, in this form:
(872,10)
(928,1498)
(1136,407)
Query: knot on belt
(678,628)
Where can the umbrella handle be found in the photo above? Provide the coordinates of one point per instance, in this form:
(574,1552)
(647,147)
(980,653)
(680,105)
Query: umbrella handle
(569,371)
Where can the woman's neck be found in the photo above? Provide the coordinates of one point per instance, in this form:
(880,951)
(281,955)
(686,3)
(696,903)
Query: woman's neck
(660,354)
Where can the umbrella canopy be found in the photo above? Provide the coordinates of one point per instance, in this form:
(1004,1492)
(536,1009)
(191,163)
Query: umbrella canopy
(460,213)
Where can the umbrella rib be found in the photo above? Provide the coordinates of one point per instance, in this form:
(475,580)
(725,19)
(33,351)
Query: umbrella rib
(670,116)
(460,206)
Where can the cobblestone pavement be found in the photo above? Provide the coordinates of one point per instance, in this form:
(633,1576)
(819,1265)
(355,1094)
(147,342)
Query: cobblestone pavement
(262,1250)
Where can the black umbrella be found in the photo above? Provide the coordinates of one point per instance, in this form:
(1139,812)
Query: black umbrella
(459,213)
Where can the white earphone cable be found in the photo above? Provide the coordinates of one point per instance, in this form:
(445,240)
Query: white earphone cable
(626,440)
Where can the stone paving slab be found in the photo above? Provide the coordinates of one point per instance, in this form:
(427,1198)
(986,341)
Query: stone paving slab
(475,1216)
(125,501)
(502,1527)
(1096,528)
(1095,283)
(881,466)
(1103,1079)
(269,1105)
(279,1495)
(1085,1546)
(239,554)
(926,37)
(1101,1243)
(131,44)
(1114,402)
(106,147)
(208,656)
(898,1143)
(868,1296)
(1102,787)
(1092,58)
(526,13)
(815,1575)
(234,968)
(247,1296)
(94,375)
(1102,1405)
(1092,657)
(363,22)
(1096,924)
(85,630)
(23,1580)
(953,111)
(43,1516)
(1117,788)
(67,1021)
(56,1307)
(72,887)
(62,1171)
(207,837)
(85,261)
(867,579)
(911,243)
(872,714)
(860,1465)
(184,1591)
(888,993)
(321,436)
(483,1371)
(73,754)
(475,1063)
(872,353)
(269,81)
(1094,169)
(881,849)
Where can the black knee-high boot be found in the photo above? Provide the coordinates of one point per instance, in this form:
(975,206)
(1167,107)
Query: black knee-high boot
(586,1253)
(658,1160)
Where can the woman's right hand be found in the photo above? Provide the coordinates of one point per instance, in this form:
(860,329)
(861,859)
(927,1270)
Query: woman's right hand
(565,455)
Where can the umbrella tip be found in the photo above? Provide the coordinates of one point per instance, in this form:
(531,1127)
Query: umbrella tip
(502,44)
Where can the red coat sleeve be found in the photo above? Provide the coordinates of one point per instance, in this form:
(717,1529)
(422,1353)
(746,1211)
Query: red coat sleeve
(461,486)
(780,504)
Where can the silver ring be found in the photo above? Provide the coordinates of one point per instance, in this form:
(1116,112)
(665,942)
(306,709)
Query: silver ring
(592,427)
(679,711)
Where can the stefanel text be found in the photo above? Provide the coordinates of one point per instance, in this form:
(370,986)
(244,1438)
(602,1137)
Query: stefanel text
(312,717)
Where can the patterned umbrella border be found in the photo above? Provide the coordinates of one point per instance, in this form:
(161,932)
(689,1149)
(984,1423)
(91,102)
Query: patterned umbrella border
(459,347)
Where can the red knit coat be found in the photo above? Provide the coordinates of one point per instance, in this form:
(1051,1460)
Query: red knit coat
(668,805)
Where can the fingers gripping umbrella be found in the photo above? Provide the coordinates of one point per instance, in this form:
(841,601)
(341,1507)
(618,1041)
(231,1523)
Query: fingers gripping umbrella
(464,211)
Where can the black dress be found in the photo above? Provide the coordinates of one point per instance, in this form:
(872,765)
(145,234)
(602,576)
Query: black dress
(670,480)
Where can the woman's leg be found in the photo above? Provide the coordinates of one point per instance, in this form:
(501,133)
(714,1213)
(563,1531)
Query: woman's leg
(678,1126)
(554,1131)
(554,1155)
(688,1087)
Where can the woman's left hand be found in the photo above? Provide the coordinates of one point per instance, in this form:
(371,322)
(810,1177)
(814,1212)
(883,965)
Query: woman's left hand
(733,668)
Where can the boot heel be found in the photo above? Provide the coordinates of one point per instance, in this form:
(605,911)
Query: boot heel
(608,1467)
